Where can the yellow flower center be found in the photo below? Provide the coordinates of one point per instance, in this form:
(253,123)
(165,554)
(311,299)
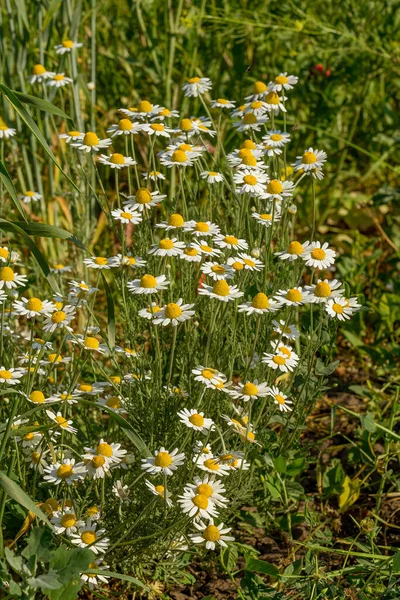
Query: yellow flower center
(92,510)
(260,300)
(281,79)
(37,397)
(179,156)
(309,158)
(34,304)
(276,137)
(143,196)
(175,220)
(90,139)
(126,215)
(64,471)
(257,104)
(39,70)
(68,44)
(59,266)
(157,127)
(104,449)
(322,290)
(186,125)
(29,436)
(6,274)
(5,374)
(221,288)
(165,112)
(294,295)
(338,308)
(166,244)
(318,254)
(148,281)
(163,459)
(92,343)
(272,98)
(218,269)
(249,262)
(191,252)
(259,87)
(84,387)
(279,360)
(4,253)
(201,226)
(249,119)
(250,161)
(211,533)
(115,379)
(58,316)
(250,179)
(232,240)
(249,389)
(160,489)
(245,152)
(145,106)
(100,260)
(74,133)
(211,464)
(238,266)
(98,461)
(125,125)
(274,187)
(58,78)
(173,311)
(208,373)
(35,457)
(88,537)
(117,159)
(200,501)
(265,217)
(196,420)
(68,520)
(113,402)
(204,489)
(61,421)
(280,399)
(206,248)
(194,80)
(53,358)
(295,248)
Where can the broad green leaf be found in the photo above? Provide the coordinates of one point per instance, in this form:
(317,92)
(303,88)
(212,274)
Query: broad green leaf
(41,104)
(13,560)
(30,123)
(39,544)
(110,313)
(6,179)
(368,422)
(13,490)
(350,493)
(261,566)
(67,561)
(280,464)
(45,581)
(122,577)
(396,563)
(321,369)
(229,558)
(50,231)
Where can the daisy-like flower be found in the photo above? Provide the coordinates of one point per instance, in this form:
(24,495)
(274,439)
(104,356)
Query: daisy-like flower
(250,122)
(275,103)
(174,313)
(339,308)
(61,422)
(283,81)
(127,352)
(37,397)
(90,537)
(66,396)
(146,109)
(161,112)
(150,312)
(90,343)
(97,262)
(279,361)
(311,162)
(159,490)
(67,46)
(211,464)
(276,138)
(61,268)
(59,80)
(81,288)
(91,143)
(259,90)
(230,242)
(294,296)
(257,108)
(196,86)
(114,403)
(117,161)
(211,535)
(280,399)
(163,461)
(157,129)
(6,132)
(191,254)
(33,307)
(167,247)
(112,452)
(29,196)
(66,471)
(97,467)
(36,460)
(201,228)
(125,216)
(71,136)
(143,200)
(210,377)
(121,491)
(212,176)
(249,391)
(176,158)
(250,181)
(11,376)
(125,127)
(221,290)
(119,260)
(175,221)
(153,175)
(93,580)
(65,521)
(325,290)
(294,251)
(290,332)
(278,190)
(148,284)
(197,505)
(10,279)
(39,74)
(267,219)
(259,305)
(319,256)
(217,271)
(210,487)
(249,263)
(195,420)
(60,319)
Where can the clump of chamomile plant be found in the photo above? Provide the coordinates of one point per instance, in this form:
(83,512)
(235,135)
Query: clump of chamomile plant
(137,398)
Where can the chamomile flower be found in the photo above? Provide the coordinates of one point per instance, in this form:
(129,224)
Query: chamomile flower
(134,262)
(294,251)
(259,90)
(257,108)
(117,161)
(163,461)
(195,420)
(60,319)
(70,397)
(6,132)
(61,268)
(268,218)
(280,399)
(59,80)
(66,471)
(196,86)
(37,397)
(36,460)
(293,297)
(11,376)
(197,505)
(10,279)
(150,312)
(39,74)
(89,343)
(176,158)
(260,305)
(167,247)
(290,332)
(275,103)
(230,242)
(210,377)
(90,537)
(91,142)
(211,535)
(276,138)
(250,122)
(65,521)
(212,176)
(217,271)
(211,464)
(175,221)
(250,181)
(283,81)
(112,452)
(33,307)
(158,130)
(159,490)
(114,403)
(146,109)
(191,254)
(121,491)
(71,136)
(278,190)
(97,262)
(125,127)
(174,313)
(319,256)
(93,580)
(81,288)
(125,216)
(29,196)
(221,290)
(249,262)
(161,113)
(67,46)
(97,467)
(201,228)
(61,422)
(325,290)
(311,162)
(153,175)
(143,200)
(280,361)
(339,308)
(148,284)
(249,391)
